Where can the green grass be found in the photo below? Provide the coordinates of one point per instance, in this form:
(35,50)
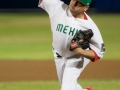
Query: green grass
(54,85)
(25,36)
(28,36)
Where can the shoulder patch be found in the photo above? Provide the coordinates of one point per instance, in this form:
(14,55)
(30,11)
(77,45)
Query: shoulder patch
(102,47)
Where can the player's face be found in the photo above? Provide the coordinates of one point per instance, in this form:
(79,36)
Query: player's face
(77,7)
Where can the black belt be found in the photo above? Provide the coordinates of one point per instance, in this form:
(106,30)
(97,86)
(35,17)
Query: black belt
(58,55)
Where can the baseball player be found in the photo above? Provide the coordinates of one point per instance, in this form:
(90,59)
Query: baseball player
(68,24)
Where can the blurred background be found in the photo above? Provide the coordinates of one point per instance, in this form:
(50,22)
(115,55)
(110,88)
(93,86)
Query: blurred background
(97,5)
(26,58)
(23,28)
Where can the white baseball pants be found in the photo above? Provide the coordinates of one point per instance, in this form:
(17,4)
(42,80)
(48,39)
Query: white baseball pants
(68,71)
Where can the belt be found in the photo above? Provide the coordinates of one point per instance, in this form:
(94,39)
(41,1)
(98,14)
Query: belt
(58,55)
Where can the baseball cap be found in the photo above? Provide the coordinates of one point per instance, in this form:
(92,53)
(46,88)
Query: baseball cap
(85,2)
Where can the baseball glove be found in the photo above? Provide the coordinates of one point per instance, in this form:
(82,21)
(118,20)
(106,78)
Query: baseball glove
(81,39)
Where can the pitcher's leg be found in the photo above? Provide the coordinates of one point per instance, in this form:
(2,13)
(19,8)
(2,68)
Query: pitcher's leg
(86,61)
(73,69)
(60,65)
(69,81)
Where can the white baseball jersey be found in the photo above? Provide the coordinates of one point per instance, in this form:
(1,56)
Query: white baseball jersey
(64,26)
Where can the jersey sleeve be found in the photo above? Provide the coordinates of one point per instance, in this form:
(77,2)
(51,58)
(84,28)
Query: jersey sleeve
(50,6)
(97,44)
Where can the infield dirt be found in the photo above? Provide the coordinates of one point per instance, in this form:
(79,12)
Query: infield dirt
(32,70)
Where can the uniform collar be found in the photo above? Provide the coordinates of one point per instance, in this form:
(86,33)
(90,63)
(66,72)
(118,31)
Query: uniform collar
(70,15)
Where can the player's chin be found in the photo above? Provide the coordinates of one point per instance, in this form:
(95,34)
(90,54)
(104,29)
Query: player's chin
(73,12)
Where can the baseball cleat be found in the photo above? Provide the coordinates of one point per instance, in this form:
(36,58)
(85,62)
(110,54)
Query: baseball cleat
(89,88)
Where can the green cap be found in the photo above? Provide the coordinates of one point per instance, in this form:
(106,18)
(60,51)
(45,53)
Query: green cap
(85,2)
